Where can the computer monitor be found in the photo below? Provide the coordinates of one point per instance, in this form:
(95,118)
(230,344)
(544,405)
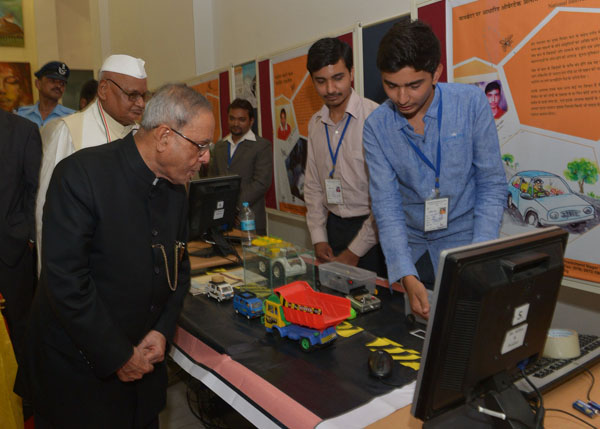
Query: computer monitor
(491,309)
(212,211)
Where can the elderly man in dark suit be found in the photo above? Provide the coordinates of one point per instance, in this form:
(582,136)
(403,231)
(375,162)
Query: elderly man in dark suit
(20,157)
(247,155)
(115,271)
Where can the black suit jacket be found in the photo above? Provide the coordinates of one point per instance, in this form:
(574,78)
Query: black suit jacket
(253,162)
(20,157)
(103,287)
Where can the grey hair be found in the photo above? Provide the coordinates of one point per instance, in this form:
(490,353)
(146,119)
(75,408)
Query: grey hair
(174,104)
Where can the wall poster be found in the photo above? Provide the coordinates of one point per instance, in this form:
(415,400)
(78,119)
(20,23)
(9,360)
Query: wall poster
(295,100)
(244,84)
(209,87)
(538,61)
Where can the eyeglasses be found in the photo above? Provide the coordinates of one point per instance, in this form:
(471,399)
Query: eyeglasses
(132,96)
(202,148)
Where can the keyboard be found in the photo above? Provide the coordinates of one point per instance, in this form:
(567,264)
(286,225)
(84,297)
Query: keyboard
(546,373)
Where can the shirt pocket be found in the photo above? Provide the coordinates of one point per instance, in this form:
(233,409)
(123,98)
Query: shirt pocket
(457,155)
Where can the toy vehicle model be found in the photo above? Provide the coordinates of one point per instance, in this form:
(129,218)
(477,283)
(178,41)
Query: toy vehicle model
(345,278)
(298,312)
(247,304)
(544,199)
(283,262)
(219,289)
(363,301)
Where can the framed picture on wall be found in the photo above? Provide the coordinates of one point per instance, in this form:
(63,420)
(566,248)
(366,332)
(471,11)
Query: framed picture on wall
(15,79)
(11,23)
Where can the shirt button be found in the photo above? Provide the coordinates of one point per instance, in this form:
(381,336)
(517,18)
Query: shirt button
(156,270)
(337,131)
(154,233)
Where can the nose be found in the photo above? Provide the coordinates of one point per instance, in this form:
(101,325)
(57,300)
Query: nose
(402,96)
(140,102)
(330,87)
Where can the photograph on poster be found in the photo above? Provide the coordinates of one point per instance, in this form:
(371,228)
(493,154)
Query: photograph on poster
(11,23)
(284,124)
(15,85)
(493,92)
(295,165)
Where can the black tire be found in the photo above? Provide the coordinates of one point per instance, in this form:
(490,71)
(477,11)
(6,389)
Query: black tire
(262,266)
(278,271)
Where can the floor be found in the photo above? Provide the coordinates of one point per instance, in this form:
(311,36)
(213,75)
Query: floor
(177,414)
(191,405)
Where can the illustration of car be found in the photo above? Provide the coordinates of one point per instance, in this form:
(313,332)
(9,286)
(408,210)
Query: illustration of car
(247,304)
(545,199)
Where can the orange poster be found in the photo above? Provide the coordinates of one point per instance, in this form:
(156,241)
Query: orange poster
(294,102)
(210,89)
(538,62)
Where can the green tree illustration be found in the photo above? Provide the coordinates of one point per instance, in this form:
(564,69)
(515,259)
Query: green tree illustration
(582,171)
(508,159)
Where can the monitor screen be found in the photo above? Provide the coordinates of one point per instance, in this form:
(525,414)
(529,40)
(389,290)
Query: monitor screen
(213,207)
(492,307)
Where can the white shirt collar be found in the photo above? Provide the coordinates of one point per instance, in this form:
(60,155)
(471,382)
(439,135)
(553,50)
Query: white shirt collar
(248,136)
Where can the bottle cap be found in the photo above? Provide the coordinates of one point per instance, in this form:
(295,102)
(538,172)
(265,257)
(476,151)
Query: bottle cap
(245,204)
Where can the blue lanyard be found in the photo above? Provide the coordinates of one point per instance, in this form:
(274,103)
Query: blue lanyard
(334,156)
(438,163)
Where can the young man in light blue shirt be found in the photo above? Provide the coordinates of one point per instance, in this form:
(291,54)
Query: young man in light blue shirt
(436,176)
(51,83)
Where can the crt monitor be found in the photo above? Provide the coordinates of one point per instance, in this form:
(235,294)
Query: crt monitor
(212,211)
(491,309)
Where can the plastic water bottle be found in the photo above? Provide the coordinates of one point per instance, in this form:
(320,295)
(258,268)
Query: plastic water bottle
(247,224)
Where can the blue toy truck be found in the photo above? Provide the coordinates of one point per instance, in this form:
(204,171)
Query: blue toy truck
(247,304)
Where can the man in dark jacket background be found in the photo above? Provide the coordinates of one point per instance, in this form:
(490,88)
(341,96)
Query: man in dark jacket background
(20,157)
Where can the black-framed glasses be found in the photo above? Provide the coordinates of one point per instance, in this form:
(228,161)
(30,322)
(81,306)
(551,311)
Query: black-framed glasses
(131,96)
(202,148)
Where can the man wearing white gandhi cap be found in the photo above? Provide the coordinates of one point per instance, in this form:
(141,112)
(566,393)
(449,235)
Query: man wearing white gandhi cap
(120,102)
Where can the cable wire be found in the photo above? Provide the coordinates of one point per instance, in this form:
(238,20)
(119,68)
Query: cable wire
(572,415)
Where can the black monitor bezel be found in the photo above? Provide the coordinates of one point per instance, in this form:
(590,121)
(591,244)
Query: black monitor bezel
(433,354)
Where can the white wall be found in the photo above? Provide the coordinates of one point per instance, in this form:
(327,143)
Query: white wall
(248,29)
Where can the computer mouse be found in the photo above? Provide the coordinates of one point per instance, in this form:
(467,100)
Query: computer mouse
(380,364)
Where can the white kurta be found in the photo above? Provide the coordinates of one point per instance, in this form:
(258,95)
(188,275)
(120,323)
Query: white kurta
(58,142)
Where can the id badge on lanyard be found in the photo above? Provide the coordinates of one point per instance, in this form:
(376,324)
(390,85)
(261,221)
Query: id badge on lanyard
(333,187)
(436,214)
(436,207)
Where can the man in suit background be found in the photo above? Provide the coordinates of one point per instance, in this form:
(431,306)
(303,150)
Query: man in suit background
(20,158)
(247,155)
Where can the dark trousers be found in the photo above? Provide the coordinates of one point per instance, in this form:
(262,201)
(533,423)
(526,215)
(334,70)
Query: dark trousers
(17,287)
(341,232)
(41,423)
(424,267)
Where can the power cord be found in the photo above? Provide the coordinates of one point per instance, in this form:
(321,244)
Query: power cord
(589,392)
(539,410)
(588,398)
